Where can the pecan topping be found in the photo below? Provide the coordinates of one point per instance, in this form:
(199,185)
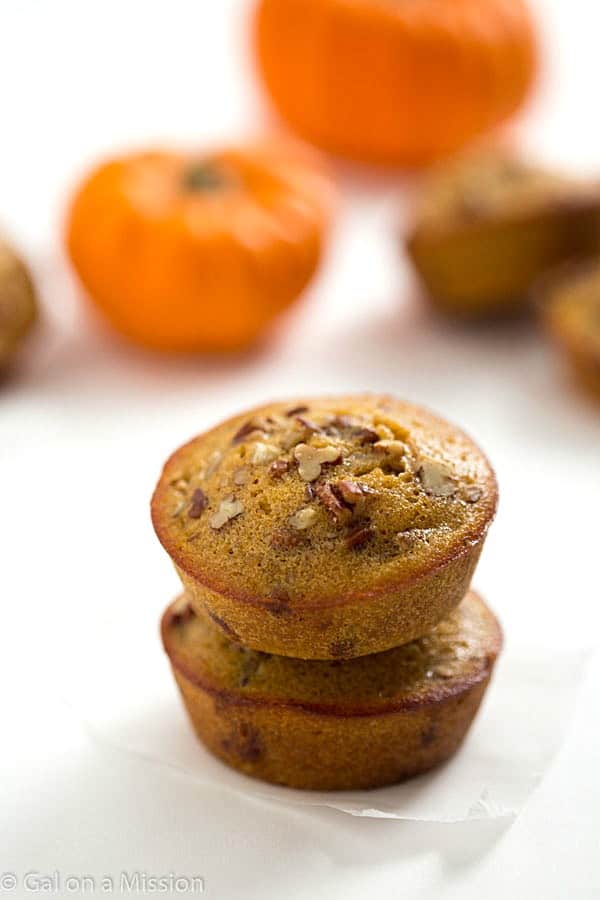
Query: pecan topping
(292,437)
(243,432)
(342,422)
(393,448)
(264,453)
(359,536)
(296,411)
(436,478)
(352,492)
(278,468)
(228,509)
(366,436)
(241,475)
(332,503)
(198,504)
(178,509)
(247,429)
(472,494)
(309,492)
(213,463)
(303,519)
(385,433)
(307,424)
(310,459)
(394,453)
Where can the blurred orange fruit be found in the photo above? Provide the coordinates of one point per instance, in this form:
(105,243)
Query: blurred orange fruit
(400,82)
(188,252)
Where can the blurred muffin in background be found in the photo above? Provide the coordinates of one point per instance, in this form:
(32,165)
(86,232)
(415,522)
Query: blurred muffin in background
(488,225)
(571,310)
(17,302)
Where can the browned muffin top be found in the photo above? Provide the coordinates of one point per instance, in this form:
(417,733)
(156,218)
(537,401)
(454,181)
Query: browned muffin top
(486,186)
(457,653)
(322,499)
(573,308)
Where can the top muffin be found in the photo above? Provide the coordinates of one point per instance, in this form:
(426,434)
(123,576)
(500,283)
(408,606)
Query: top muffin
(320,502)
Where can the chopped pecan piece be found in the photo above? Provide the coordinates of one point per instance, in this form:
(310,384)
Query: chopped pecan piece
(264,453)
(198,504)
(296,411)
(309,492)
(352,492)
(293,436)
(359,536)
(436,478)
(341,422)
(307,425)
(278,468)
(366,436)
(394,454)
(228,509)
(241,475)
(213,463)
(385,433)
(248,428)
(303,519)
(310,459)
(332,503)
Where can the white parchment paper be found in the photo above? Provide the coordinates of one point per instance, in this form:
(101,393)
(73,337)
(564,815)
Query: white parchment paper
(128,698)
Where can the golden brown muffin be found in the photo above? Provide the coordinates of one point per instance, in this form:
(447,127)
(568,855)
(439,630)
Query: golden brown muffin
(571,309)
(329,527)
(17,302)
(334,725)
(487,226)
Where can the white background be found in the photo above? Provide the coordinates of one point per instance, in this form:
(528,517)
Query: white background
(86,423)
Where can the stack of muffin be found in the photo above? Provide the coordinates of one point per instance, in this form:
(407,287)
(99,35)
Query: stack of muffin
(327,637)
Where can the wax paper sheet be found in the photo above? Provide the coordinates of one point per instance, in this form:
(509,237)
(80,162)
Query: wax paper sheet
(128,699)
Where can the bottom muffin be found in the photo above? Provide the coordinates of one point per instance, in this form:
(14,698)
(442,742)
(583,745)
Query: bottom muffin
(330,724)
